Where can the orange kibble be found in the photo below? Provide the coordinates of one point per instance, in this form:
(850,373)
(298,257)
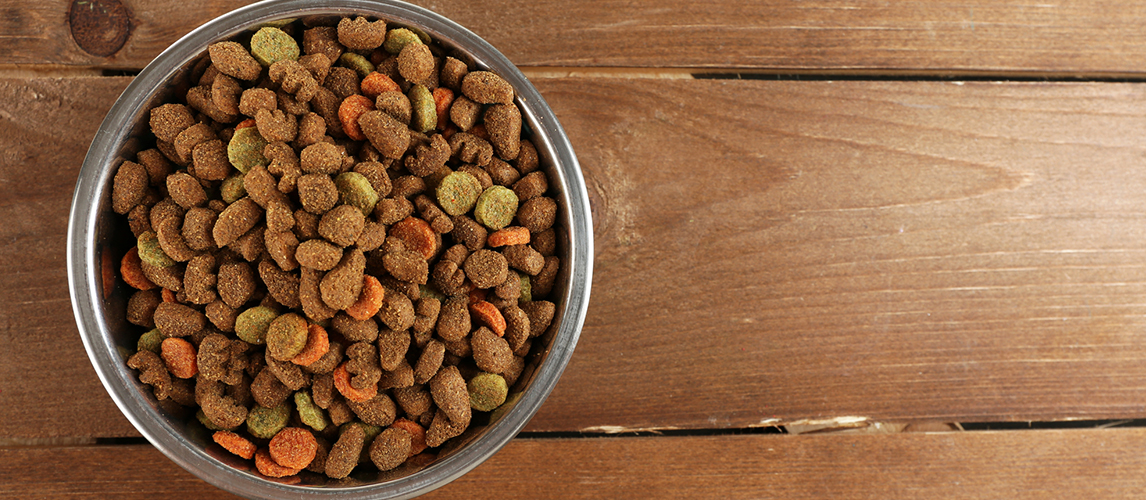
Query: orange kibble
(489,315)
(179,355)
(417,235)
(443,97)
(417,433)
(480,131)
(348,112)
(515,235)
(267,466)
(369,300)
(317,344)
(168,296)
(293,447)
(475,295)
(249,122)
(376,83)
(234,443)
(342,383)
(131,271)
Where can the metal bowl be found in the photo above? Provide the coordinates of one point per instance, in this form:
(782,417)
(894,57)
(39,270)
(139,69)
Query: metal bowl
(96,237)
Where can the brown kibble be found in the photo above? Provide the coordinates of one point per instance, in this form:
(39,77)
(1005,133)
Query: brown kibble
(429,362)
(491,353)
(129,186)
(391,210)
(236,220)
(221,315)
(375,173)
(545,242)
(268,391)
(232,59)
(225,91)
(290,374)
(199,280)
(469,148)
(391,447)
(395,104)
(317,193)
(426,315)
(415,62)
(283,286)
(523,258)
(540,315)
(343,82)
(379,410)
(397,311)
(486,268)
(318,254)
(209,161)
(464,113)
(170,277)
(329,361)
(343,456)
(236,283)
(279,216)
(178,320)
(527,160)
(448,389)
(355,330)
(361,34)
(407,186)
(199,98)
(453,71)
(503,122)
(502,173)
(402,376)
(276,126)
(372,237)
(542,283)
(454,319)
(469,232)
(392,348)
(321,158)
(322,40)
(342,225)
(342,285)
(516,326)
(311,128)
(198,224)
(407,266)
(532,185)
(537,214)
(250,245)
(487,88)
(309,295)
(255,99)
(141,308)
(139,221)
(169,120)
(153,372)
(186,190)
(415,400)
(430,158)
(389,136)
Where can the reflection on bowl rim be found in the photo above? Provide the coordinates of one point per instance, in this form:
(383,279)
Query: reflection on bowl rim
(90,213)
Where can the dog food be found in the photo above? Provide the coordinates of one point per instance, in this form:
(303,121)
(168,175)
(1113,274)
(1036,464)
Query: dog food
(343,247)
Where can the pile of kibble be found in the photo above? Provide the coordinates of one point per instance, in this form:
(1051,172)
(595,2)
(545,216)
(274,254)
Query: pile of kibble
(342,246)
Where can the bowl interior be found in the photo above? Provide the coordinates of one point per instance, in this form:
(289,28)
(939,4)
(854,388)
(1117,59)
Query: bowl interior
(98,237)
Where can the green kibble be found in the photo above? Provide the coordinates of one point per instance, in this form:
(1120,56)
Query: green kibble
(526,287)
(458,192)
(266,422)
(428,291)
(422,35)
(286,336)
(355,189)
(396,39)
(487,391)
(270,45)
(359,64)
(150,341)
(150,251)
(232,189)
(496,207)
(424,117)
(251,325)
(310,414)
(245,151)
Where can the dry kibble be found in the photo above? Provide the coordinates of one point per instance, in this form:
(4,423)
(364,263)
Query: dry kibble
(361,185)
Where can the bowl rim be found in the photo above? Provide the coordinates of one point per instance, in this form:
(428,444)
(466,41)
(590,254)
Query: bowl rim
(93,184)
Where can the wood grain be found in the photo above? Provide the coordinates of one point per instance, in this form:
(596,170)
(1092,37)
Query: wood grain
(767,252)
(1014,464)
(1065,38)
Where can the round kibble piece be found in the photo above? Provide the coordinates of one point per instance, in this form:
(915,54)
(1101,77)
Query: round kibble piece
(415,62)
(321,158)
(391,448)
(487,391)
(268,467)
(234,222)
(496,207)
(286,336)
(270,45)
(318,254)
(234,443)
(342,225)
(246,149)
(129,187)
(538,214)
(317,193)
(458,192)
(252,324)
(293,447)
(355,189)
(486,268)
(389,136)
(264,422)
(491,353)
(342,285)
(168,120)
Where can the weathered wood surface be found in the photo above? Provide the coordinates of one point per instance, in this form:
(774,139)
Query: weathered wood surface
(766,252)
(1095,464)
(1071,37)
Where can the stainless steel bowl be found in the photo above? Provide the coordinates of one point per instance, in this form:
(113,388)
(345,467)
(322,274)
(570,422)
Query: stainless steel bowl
(96,236)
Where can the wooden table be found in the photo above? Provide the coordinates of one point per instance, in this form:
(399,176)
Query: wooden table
(844,249)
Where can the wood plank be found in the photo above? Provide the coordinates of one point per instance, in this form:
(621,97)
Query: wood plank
(766,252)
(47,385)
(1104,463)
(977,36)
